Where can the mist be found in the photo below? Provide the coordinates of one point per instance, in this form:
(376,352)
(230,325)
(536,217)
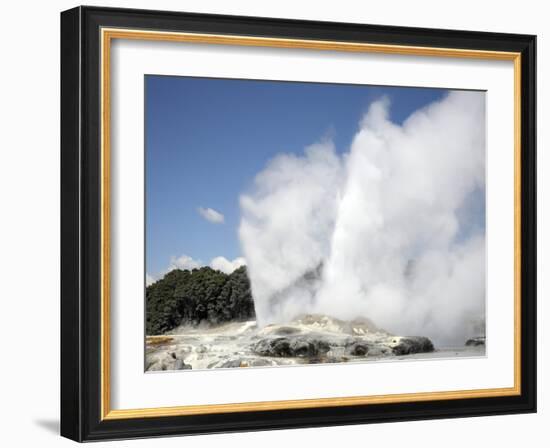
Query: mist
(393,229)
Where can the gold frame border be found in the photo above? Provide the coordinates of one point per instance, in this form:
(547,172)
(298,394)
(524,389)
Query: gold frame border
(107,35)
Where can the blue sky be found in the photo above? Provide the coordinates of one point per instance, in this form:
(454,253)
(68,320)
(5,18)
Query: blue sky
(206,139)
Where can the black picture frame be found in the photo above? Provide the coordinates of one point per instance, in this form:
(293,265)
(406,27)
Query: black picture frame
(81,415)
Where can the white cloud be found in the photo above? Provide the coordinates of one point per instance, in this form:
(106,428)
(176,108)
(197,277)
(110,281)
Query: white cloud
(382,220)
(211,215)
(149,280)
(226,266)
(183,262)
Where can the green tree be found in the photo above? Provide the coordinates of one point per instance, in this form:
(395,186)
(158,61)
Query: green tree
(184,297)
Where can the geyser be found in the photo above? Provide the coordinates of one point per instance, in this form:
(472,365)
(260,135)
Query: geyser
(392,230)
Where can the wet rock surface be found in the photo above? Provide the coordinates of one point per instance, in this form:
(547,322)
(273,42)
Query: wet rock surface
(358,348)
(300,346)
(476,342)
(411,344)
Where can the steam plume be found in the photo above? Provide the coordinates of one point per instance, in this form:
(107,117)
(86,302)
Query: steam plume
(392,230)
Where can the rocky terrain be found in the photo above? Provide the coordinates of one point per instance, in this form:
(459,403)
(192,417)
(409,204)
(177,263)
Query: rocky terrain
(309,339)
(476,342)
(204,319)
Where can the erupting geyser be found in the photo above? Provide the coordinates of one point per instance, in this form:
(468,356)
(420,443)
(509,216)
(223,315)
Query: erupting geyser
(393,230)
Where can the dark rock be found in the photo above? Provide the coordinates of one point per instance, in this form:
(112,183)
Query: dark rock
(476,342)
(180,365)
(357,348)
(303,349)
(299,346)
(412,344)
(273,347)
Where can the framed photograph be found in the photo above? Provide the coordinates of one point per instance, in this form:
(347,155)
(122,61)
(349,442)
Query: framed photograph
(273,223)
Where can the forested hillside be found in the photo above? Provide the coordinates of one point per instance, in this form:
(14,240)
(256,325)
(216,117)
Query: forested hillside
(199,296)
